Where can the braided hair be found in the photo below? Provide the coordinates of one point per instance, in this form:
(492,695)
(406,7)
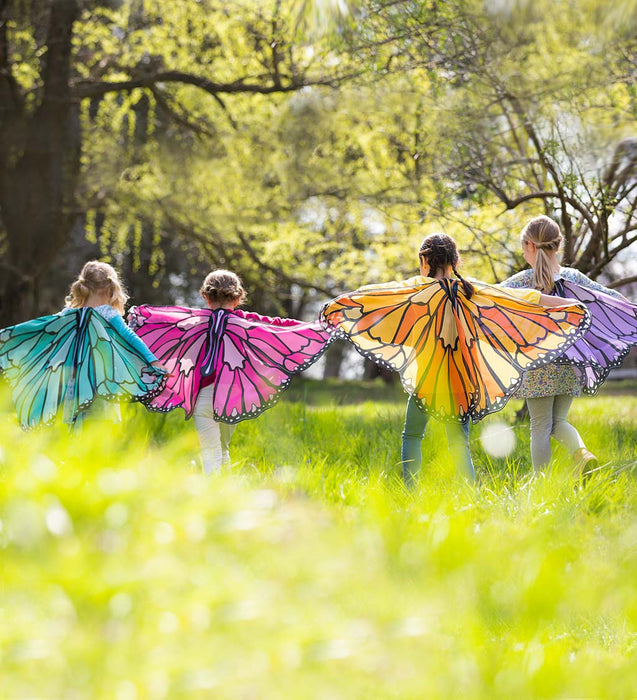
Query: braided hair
(222,286)
(545,235)
(439,252)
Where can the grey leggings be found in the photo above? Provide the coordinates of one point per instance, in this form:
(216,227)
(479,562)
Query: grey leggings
(214,437)
(548,419)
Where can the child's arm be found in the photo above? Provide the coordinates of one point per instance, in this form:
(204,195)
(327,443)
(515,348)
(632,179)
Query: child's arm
(270,320)
(133,339)
(550,300)
(534,296)
(524,279)
(581,279)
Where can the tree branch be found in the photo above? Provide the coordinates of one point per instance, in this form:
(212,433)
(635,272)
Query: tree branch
(513,203)
(278,273)
(596,269)
(176,114)
(622,282)
(216,245)
(87,88)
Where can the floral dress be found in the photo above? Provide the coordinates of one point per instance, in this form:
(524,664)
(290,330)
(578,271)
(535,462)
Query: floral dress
(553,379)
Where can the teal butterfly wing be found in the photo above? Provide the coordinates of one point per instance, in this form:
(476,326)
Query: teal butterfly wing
(110,367)
(35,358)
(67,360)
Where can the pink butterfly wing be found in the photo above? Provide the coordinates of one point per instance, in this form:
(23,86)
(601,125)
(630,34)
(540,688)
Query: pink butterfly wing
(177,337)
(256,361)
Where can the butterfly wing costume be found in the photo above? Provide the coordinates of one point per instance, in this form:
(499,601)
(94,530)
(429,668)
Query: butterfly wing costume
(460,358)
(249,358)
(613,331)
(69,359)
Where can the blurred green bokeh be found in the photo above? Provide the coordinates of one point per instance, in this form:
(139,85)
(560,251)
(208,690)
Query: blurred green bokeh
(307,571)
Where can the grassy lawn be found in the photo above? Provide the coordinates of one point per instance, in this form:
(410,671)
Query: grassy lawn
(307,571)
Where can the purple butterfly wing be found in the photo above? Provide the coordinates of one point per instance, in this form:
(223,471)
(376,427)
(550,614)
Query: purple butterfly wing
(177,336)
(613,331)
(256,361)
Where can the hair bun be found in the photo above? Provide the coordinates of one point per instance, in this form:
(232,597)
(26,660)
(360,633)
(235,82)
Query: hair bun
(222,286)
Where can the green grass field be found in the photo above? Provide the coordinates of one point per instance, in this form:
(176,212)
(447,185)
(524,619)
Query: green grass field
(307,571)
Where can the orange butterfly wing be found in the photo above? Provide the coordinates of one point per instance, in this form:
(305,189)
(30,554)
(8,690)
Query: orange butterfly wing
(458,357)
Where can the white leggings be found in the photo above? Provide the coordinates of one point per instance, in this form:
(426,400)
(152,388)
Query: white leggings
(214,437)
(548,419)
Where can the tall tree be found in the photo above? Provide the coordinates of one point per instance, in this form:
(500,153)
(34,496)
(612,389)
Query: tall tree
(39,148)
(55,55)
(536,112)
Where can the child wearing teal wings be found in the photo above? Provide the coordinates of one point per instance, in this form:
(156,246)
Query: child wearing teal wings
(80,360)
(459,346)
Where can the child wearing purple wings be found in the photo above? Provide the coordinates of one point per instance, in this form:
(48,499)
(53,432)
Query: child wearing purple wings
(225,364)
(549,390)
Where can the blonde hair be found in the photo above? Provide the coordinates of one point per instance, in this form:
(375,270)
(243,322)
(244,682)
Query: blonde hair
(222,286)
(545,235)
(97,276)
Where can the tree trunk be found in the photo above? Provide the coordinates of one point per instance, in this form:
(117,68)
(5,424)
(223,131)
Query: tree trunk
(372,371)
(40,165)
(334,356)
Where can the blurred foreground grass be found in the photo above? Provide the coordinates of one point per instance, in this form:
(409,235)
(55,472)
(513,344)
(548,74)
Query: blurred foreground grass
(307,571)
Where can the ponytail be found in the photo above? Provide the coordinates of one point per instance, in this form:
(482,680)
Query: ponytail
(545,235)
(542,271)
(78,294)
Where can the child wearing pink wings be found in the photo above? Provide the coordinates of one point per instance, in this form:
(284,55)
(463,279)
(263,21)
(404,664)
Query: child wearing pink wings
(225,364)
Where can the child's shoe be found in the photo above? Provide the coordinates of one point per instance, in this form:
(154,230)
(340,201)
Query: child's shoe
(584,461)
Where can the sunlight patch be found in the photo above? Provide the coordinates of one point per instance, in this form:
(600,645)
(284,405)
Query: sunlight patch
(498,439)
